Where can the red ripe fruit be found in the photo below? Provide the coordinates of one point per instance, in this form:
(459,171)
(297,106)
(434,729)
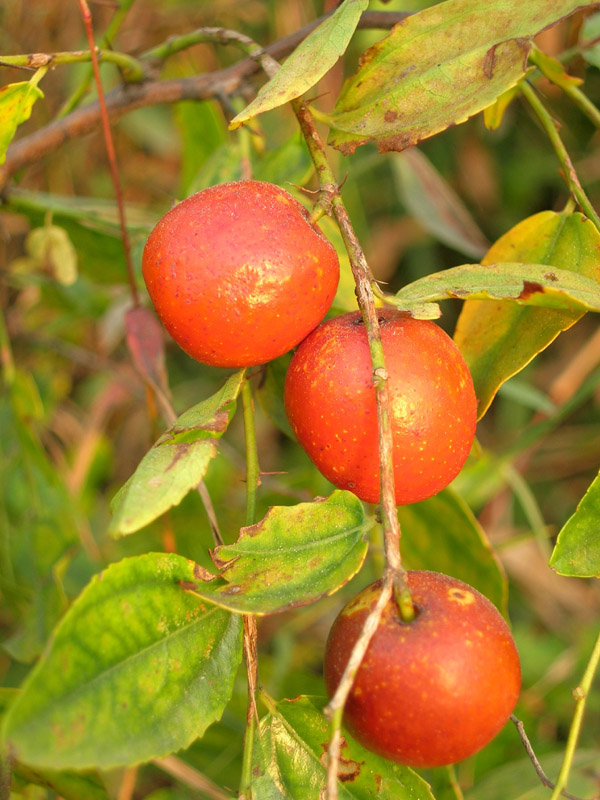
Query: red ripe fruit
(432,691)
(238,275)
(330,403)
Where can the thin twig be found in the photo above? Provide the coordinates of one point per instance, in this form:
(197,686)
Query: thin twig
(131,68)
(191,777)
(110,149)
(569,173)
(30,149)
(335,707)
(534,760)
(250,626)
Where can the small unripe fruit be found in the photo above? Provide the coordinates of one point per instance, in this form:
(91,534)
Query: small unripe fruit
(238,274)
(330,403)
(432,691)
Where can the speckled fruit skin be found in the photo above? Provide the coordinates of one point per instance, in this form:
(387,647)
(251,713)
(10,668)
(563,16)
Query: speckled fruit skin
(238,275)
(330,404)
(433,691)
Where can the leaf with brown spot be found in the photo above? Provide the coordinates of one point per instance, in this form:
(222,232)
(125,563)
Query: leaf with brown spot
(292,557)
(176,463)
(498,339)
(290,755)
(437,68)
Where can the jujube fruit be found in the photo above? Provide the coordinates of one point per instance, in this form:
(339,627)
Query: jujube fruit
(238,274)
(330,403)
(432,691)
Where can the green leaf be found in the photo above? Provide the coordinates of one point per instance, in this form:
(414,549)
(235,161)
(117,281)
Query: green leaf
(442,534)
(67,785)
(525,284)
(176,463)
(309,62)
(92,225)
(577,550)
(203,130)
(294,556)
(435,205)
(438,68)
(498,339)
(136,669)
(590,31)
(290,756)
(270,393)
(16,102)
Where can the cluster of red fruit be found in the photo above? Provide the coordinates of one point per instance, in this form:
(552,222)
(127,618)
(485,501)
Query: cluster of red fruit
(239,276)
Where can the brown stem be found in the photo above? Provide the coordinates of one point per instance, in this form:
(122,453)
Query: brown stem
(534,760)
(110,150)
(130,97)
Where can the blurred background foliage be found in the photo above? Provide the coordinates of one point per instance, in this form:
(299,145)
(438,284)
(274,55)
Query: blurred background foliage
(79,420)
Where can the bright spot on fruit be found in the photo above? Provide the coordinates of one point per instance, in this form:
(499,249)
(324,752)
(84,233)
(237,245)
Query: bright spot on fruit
(461,596)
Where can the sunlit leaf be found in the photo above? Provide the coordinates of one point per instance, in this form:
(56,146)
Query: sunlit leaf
(494,114)
(16,102)
(577,550)
(438,68)
(294,556)
(176,463)
(309,62)
(290,760)
(442,534)
(136,669)
(525,284)
(498,339)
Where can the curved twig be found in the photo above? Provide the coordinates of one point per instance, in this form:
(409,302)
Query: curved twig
(130,97)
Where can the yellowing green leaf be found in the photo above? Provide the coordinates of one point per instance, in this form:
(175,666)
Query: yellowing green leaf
(50,249)
(290,760)
(16,102)
(438,68)
(498,339)
(577,550)
(137,668)
(292,557)
(309,62)
(176,463)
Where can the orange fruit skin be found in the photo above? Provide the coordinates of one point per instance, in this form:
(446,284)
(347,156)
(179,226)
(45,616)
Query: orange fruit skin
(330,403)
(432,691)
(238,275)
